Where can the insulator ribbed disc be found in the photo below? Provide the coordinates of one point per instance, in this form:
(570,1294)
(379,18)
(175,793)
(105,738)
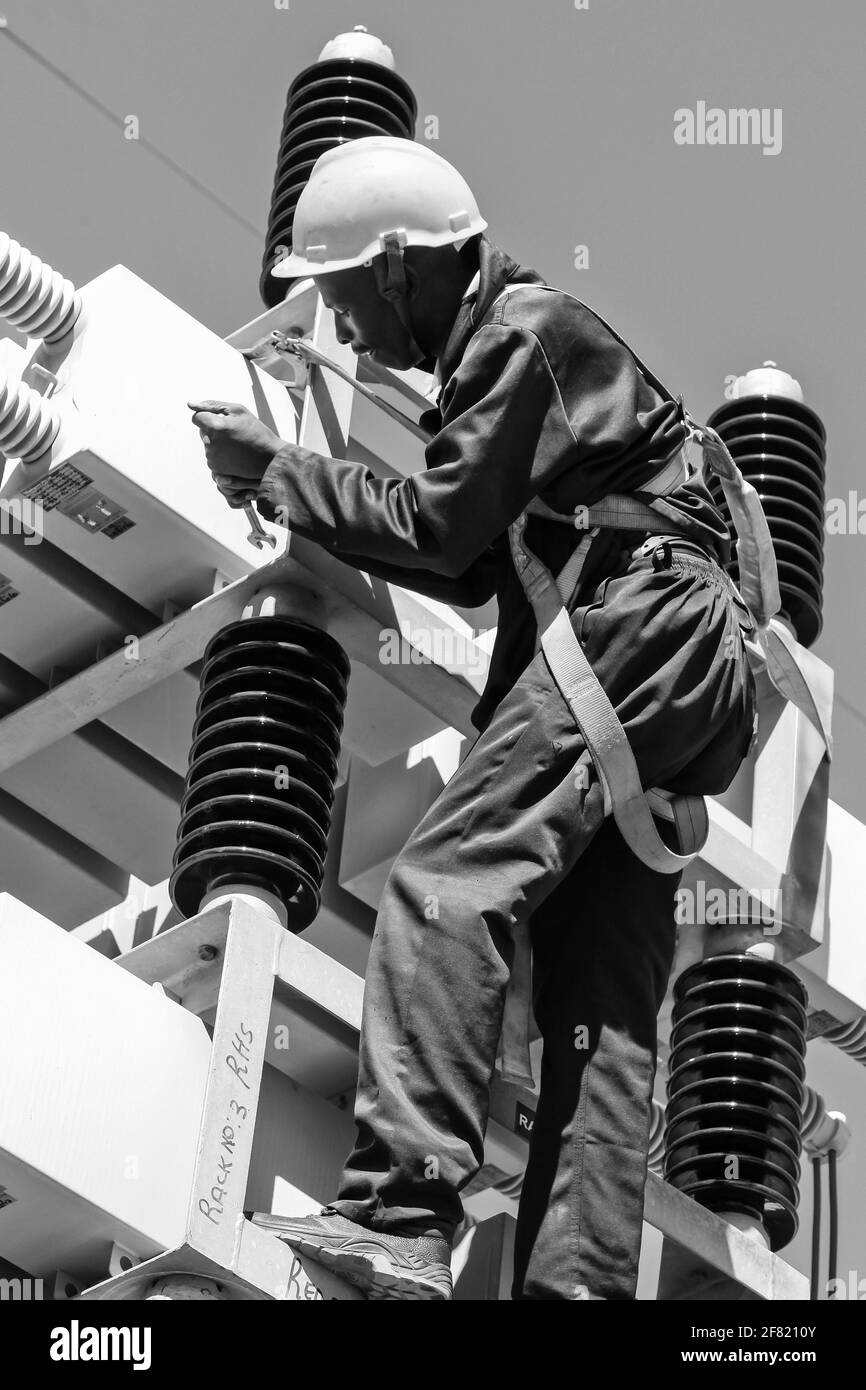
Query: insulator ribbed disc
(791,448)
(786,413)
(736,1089)
(263,765)
(779,446)
(348,70)
(354,91)
(302,118)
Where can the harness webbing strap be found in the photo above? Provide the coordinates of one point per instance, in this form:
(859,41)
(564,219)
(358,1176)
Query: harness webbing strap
(569,576)
(792,679)
(612,755)
(593,712)
(756,558)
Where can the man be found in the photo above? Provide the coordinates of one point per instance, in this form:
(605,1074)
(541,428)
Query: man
(539,398)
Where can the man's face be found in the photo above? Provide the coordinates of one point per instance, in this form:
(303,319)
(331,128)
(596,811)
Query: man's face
(364,319)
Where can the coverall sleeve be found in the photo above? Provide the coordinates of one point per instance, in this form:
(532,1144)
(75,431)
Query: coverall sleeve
(504,435)
(470,590)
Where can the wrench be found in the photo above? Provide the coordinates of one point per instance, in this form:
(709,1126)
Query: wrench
(258,536)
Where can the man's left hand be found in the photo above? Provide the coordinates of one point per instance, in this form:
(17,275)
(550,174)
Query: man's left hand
(238,447)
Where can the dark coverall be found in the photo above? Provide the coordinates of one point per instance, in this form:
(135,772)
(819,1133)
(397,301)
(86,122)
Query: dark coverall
(538,398)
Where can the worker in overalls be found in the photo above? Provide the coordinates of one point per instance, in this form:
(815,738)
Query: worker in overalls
(554,479)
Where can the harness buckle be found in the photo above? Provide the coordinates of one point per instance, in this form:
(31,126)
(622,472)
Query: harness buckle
(662,556)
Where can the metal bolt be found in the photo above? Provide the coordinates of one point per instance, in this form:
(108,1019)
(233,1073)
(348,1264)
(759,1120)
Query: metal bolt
(207,952)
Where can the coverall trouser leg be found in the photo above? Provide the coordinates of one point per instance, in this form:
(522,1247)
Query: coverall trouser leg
(602,946)
(510,839)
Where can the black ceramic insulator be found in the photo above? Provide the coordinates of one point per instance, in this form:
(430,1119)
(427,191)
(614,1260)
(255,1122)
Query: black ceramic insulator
(736,1089)
(327,104)
(780,448)
(263,765)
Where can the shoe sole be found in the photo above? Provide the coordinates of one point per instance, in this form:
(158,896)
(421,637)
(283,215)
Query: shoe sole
(376,1275)
(373,1273)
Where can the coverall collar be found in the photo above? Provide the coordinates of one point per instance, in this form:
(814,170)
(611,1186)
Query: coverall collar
(495,269)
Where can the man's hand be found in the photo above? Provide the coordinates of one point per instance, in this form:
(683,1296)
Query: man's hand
(238,447)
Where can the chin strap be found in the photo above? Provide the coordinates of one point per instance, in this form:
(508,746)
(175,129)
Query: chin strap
(392,286)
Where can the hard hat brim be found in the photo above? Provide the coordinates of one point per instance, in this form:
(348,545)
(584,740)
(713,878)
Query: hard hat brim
(294,265)
(290,267)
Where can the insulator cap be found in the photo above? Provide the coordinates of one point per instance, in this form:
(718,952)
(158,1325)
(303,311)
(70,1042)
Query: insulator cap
(358,44)
(768,380)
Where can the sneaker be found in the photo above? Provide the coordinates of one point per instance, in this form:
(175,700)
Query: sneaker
(383,1265)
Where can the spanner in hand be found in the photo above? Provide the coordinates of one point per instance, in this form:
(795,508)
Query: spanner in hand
(258,536)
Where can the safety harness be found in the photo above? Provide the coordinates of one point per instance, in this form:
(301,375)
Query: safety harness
(625,799)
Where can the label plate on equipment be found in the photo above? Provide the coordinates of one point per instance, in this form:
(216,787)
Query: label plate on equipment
(62,485)
(73,494)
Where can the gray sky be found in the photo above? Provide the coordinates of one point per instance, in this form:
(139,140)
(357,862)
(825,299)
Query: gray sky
(708,259)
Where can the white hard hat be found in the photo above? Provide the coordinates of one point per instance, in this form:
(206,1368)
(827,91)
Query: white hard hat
(377,187)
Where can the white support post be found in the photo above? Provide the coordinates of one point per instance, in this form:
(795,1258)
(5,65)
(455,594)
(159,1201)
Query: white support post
(226,1255)
(231,1098)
